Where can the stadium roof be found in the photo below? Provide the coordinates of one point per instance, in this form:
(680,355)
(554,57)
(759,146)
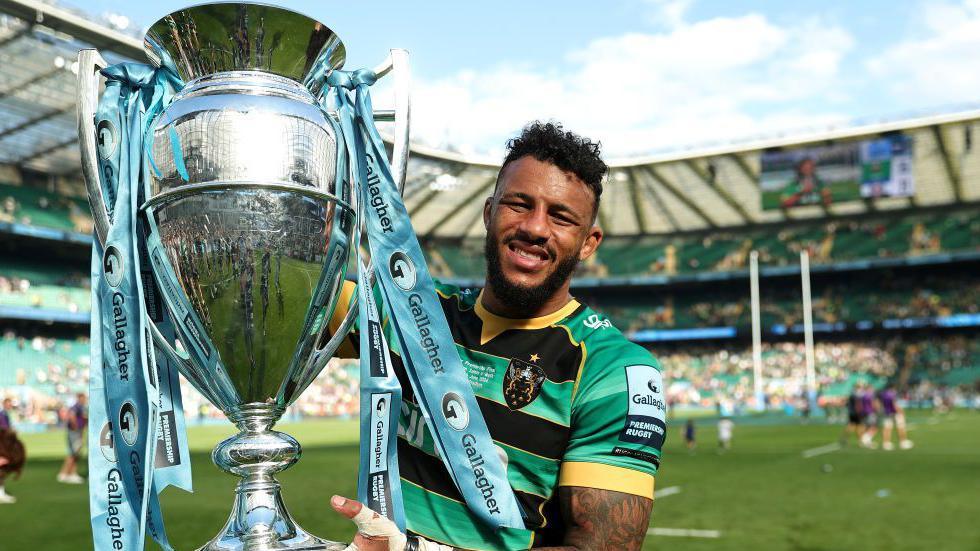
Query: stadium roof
(686,191)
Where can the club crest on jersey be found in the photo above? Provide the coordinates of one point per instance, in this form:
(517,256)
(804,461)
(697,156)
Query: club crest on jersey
(522,383)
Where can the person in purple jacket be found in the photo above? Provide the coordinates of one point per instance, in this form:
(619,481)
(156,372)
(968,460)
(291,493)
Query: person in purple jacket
(892,417)
(869,415)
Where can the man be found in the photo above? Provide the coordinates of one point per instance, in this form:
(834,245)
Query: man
(855,420)
(577,410)
(75,421)
(807,188)
(892,416)
(869,416)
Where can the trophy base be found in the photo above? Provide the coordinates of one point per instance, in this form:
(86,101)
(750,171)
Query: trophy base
(302,541)
(259,520)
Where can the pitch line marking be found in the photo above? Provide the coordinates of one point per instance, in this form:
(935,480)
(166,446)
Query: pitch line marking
(820,450)
(668,491)
(684,533)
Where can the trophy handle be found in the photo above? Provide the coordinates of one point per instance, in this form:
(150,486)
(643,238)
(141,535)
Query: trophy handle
(90,62)
(397,65)
(184,364)
(161,342)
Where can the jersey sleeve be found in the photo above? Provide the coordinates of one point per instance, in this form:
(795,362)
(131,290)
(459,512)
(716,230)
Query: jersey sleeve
(618,424)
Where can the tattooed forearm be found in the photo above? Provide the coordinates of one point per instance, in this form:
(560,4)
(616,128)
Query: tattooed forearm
(600,520)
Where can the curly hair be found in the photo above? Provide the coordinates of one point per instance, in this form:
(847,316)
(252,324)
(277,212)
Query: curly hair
(549,142)
(13,450)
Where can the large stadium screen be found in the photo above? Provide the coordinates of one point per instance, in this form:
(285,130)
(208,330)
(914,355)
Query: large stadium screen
(827,174)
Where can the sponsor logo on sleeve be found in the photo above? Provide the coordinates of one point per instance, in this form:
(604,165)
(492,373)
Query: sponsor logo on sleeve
(595,322)
(637,454)
(647,411)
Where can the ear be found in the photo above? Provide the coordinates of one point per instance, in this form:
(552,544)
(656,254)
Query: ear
(591,243)
(487,208)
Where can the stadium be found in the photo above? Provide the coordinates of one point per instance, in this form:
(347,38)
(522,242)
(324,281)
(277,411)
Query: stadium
(887,250)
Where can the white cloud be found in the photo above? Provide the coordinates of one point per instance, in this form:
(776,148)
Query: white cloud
(938,65)
(704,81)
(669,13)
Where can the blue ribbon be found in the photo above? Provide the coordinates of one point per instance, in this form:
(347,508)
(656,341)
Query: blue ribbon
(408,295)
(126,381)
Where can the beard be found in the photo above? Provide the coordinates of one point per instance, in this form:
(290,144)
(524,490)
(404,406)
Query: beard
(524,298)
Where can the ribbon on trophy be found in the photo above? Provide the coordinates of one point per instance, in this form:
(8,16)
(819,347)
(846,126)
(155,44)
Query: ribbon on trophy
(429,354)
(136,412)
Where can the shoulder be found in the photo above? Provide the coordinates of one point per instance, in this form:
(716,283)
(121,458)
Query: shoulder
(605,345)
(611,363)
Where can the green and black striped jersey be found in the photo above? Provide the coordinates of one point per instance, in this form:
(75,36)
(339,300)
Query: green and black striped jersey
(567,398)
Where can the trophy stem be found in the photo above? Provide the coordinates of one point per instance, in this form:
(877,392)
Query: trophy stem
(259,520)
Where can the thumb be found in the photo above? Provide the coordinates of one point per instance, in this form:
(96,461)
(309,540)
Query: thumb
(347,507)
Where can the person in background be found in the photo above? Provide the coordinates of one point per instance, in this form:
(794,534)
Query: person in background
(689,435)
(725,428)
(892,416)
(855,420)
(76,421)
(12,453)
(5,422)
(869,416)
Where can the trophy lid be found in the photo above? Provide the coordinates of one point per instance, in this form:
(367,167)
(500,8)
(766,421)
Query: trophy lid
(236,36)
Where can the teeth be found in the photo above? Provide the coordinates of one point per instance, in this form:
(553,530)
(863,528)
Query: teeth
(526,254)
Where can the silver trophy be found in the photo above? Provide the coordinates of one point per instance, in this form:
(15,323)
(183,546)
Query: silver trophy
(256,224)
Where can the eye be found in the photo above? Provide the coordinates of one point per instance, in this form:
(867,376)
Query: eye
(562,220)
(518,205)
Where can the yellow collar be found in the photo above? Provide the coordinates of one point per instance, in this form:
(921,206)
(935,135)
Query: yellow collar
(494,325)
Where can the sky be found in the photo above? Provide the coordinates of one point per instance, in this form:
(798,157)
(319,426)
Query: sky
(649,76)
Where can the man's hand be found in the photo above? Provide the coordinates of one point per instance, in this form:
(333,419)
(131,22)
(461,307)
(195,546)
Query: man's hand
(374,532)
(377,533)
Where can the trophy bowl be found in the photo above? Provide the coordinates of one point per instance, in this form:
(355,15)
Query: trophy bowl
(255,219)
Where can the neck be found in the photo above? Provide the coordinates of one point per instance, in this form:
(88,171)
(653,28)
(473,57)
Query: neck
(492,302)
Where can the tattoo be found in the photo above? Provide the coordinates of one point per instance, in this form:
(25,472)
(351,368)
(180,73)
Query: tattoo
(601,520)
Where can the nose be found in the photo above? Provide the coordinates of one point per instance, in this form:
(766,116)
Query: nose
(534,225)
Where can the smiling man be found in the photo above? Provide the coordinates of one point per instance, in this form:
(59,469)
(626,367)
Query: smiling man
(576,409)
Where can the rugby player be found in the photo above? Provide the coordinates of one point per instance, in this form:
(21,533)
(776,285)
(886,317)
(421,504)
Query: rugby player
(577,410)
(892,416)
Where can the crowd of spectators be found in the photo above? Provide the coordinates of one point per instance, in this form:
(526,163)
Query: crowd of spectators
(333,393)
(68,293)
(35,207)
(702,376)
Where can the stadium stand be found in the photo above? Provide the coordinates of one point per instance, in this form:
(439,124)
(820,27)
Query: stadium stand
(859,297)
(34,207)
(911,234)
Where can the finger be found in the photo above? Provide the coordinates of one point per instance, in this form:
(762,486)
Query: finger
(347,507)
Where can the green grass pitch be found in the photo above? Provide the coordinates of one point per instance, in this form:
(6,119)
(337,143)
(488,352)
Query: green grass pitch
(761,495)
